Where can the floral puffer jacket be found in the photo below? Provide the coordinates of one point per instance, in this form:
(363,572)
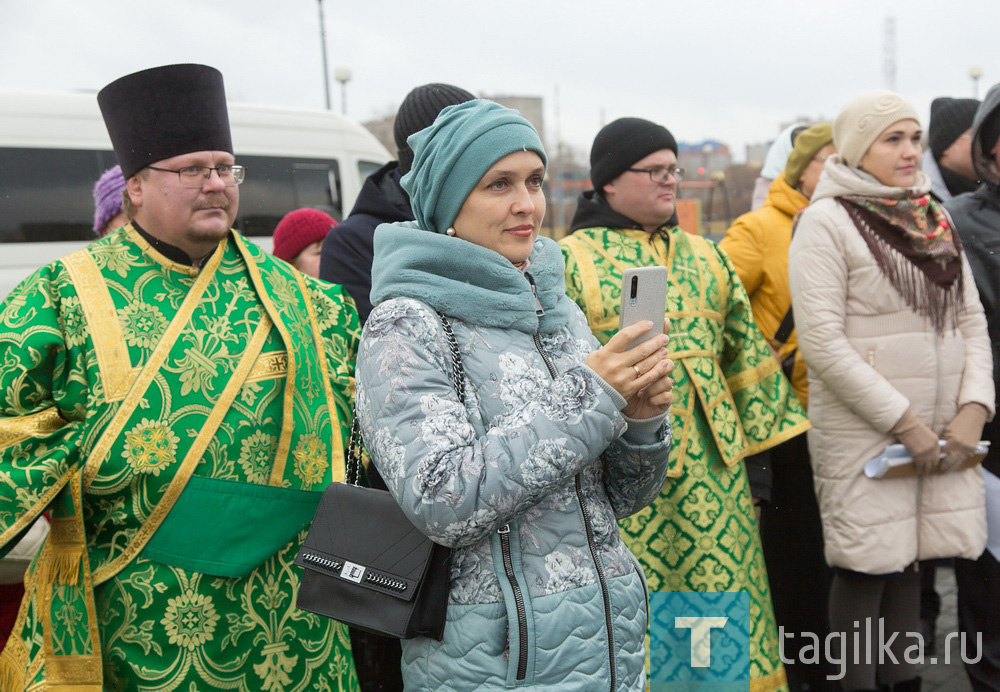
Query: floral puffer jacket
(525,481)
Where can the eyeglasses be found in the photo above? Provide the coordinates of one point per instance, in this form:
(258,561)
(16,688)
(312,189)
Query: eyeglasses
(660,175)
(196,176)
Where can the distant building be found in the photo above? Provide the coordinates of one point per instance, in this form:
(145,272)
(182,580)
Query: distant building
(757,153)
(382,129)
(700,159)
(531,107)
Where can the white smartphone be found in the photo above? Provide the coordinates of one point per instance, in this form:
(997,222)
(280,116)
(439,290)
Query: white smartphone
(644,297)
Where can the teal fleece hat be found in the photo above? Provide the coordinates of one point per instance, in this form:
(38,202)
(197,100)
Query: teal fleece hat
(452,155)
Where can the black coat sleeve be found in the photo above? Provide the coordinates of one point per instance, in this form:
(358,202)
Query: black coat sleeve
(347,259)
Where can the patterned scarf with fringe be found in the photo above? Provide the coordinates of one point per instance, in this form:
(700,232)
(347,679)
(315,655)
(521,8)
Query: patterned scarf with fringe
(916,249)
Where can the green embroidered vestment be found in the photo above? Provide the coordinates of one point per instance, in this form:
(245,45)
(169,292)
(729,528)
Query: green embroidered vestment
(730,400)
(133,385)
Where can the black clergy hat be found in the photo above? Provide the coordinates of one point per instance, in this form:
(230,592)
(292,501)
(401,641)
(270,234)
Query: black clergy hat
(163,112)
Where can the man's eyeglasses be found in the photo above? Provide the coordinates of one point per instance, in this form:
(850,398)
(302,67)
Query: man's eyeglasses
(196,176)
(661,175)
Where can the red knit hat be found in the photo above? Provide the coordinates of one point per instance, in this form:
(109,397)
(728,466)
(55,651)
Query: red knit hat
(299,229)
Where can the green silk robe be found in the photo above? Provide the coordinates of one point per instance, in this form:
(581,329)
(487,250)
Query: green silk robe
(180,424)
(730,400)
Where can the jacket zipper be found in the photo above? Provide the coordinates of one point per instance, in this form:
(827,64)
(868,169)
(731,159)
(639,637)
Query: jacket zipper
(590,532)
(934,424)
(522,615)
(937,366)
(603,580)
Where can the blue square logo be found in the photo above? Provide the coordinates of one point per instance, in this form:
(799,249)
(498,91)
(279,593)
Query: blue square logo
(700,638)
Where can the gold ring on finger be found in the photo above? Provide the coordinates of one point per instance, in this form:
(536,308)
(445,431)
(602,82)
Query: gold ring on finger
(638,374)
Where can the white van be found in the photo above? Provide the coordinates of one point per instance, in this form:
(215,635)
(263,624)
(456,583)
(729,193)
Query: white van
(53,148)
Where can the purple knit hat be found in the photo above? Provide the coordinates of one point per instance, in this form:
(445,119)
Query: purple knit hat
(107,197)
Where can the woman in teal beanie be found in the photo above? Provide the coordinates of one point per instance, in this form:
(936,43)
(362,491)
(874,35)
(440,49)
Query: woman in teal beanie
(557,438)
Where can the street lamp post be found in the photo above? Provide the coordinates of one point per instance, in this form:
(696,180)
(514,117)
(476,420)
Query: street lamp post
(975,72)
(342,75)
(322,42)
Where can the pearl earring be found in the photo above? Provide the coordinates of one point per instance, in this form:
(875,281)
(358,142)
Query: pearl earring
(450,231)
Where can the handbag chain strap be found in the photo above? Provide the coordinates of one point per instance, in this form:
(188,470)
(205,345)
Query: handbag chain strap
(353,471)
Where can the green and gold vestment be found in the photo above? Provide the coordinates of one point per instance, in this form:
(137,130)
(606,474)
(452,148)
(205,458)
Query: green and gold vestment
(730,401)
(180,424)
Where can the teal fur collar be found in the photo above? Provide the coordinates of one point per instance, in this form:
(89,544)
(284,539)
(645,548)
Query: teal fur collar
(470,282)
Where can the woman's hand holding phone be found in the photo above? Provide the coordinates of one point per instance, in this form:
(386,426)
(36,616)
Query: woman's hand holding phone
(640,374)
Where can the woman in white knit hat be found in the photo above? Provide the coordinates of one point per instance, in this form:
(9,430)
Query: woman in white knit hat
(891,328)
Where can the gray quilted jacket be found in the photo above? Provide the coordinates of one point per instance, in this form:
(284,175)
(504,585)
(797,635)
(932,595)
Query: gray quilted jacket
(525,481)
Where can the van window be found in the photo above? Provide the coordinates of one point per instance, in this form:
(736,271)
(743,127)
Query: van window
(275,186)
(366,168)
(47,194)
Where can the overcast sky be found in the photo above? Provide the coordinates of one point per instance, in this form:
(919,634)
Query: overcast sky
(725,69)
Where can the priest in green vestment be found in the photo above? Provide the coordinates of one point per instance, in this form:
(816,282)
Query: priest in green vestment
(731,400)
(177,399)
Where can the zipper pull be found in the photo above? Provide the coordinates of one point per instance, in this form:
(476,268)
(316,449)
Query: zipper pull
(539,310)
(504,530)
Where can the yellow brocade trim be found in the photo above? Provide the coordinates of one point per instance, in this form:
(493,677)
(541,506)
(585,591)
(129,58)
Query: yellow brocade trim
(676,470)
(137,392)
(77,671)
(337,454)
(102,319)
(768,683)
(287,417)
(160,258)
(691,353)
(731,452)
(777,439)
(270,366)
(591,285)
(748,377)
(14,661)
(707,314)
(66,542)
(14,430)
(193,457)
(702,249)
(29,516)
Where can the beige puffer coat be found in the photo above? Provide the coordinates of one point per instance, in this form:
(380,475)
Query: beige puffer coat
(870,358)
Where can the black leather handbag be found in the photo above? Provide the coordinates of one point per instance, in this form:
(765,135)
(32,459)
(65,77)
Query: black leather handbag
(365,564)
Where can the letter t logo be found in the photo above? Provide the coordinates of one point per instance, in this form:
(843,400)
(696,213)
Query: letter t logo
(701,637)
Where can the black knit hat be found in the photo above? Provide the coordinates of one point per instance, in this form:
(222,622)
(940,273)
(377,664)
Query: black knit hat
(163,112)
(623,142)
(418,111)
(950,118)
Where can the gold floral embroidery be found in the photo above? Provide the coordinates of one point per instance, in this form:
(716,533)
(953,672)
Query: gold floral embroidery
(190,620)
(256,453)
(327,311)
(74,324)
(310,460)
(150,446)
(274,671)
(143,324)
